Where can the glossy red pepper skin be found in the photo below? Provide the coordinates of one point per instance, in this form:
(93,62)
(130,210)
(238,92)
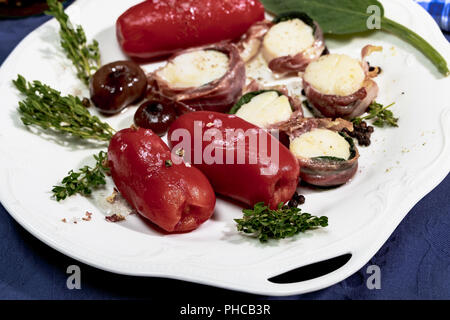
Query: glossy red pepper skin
(242,182)
(154,28)
(173,196)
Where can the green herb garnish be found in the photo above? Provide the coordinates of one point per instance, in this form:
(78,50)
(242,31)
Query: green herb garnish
(246,98)
(329,159)
(83,181)
(284,222)
(381,115)
(351,143)
(168,163)
(351,16)
(85,57)
(295,15)
(46,108)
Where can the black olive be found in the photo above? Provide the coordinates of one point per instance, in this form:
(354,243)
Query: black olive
(117,85)
(156,116)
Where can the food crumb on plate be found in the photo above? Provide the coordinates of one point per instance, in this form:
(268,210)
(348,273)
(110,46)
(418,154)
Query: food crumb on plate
(115,218)
(87,217)
(112,198)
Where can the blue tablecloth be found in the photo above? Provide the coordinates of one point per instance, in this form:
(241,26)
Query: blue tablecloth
(415,262)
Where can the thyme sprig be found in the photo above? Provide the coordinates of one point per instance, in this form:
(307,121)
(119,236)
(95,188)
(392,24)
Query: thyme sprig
(284,222)
(83,181)
(47,108)
(85,57)
(380,114)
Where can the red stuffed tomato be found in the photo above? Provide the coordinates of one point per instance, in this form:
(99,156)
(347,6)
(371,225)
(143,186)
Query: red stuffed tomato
(173,196)
(241,161)
(157,28)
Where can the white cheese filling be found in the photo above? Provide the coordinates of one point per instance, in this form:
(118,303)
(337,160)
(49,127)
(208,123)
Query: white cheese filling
(320,143)
(287,38)
(195,69)
(266,109)
(335,74)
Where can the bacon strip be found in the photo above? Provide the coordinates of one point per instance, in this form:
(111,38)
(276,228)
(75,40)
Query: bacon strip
(298,125)
(219,95)
(251,41)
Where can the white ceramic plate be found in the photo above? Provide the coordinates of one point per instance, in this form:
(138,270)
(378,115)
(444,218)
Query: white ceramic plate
(401,167)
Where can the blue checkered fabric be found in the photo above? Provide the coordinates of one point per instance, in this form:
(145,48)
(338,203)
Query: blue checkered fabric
(440,10)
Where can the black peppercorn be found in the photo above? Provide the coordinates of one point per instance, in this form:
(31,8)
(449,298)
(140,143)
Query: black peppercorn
(361,132)
(296,200)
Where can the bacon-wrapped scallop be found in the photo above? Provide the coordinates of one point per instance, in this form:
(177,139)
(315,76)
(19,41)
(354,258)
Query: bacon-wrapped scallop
(327,156)
(207,78)
(292,43)
(338,86)
(266,108)
(288,43)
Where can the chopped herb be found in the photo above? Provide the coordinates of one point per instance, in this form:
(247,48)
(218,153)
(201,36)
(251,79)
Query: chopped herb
(46,108)
(168,163)
(380,114)
(85,57)
(284,222)
(83,181)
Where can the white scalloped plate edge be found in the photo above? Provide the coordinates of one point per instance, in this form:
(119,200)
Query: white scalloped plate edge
(362,244)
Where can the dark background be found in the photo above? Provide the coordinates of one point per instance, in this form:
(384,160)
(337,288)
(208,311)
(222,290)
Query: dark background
(414,262)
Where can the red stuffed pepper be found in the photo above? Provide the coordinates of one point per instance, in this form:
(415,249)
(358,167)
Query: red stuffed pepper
(157,28)
(241,161)
(176,197)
